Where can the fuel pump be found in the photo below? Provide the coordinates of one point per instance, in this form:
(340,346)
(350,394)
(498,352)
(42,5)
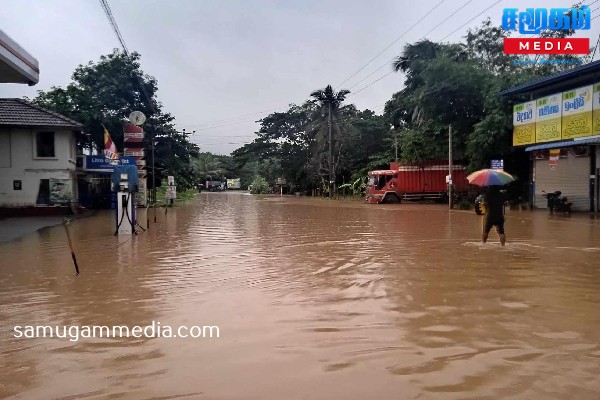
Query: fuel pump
(125,180)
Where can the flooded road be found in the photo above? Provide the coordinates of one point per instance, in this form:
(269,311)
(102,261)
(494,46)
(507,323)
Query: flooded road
(314,299)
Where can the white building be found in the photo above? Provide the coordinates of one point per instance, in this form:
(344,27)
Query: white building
(37,157)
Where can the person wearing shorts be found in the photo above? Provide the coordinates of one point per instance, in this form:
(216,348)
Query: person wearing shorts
(494,214)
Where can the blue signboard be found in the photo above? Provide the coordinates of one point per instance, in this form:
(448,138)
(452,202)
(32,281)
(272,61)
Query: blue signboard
(497,164)
(100,164)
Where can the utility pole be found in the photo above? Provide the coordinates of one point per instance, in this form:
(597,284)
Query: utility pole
(331,177)
(153,180)
(450,167)
(396,145)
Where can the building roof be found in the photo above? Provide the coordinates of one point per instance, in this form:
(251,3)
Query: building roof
(565,143)
(16,64)
(559,77)
(21,113)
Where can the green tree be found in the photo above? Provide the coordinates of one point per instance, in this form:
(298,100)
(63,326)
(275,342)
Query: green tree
(105,92)
(459,85)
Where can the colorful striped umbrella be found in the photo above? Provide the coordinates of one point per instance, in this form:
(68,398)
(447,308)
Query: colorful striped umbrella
(490,177)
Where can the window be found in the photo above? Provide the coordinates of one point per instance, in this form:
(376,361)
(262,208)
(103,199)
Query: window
(44,144)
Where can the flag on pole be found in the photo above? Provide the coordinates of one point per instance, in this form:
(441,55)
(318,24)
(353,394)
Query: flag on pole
(110,149)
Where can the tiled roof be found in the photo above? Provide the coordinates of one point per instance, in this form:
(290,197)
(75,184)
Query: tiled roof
(19,112)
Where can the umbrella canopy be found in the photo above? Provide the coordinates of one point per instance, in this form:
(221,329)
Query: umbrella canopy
(490,177)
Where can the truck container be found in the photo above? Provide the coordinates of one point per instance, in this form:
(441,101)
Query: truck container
(419,181)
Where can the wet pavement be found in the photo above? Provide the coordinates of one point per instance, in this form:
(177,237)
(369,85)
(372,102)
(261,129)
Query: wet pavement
(314,299)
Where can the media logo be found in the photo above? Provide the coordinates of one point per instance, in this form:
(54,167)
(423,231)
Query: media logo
(533,21)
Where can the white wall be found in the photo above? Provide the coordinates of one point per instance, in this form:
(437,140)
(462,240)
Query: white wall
(23,165)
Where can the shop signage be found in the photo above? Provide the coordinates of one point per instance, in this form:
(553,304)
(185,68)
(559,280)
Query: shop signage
(133,136)
(234,183)
(549,113)
(100,163)
(577,113)
(497,164)
(171,193)
(524,117)
(596,110)
(128,152)
(562,116)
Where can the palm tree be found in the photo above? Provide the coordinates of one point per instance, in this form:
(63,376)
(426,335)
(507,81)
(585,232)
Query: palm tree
(207,166)
(330,104)
(423,50)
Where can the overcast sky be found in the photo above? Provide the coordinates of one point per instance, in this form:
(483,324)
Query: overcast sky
(223,64)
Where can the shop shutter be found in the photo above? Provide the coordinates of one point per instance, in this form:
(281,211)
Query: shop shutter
(571,177)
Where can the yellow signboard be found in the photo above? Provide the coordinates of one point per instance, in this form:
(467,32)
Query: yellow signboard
(596,110)
(523,134)
(561,116)
(524,123)
(577,113)
(548,119)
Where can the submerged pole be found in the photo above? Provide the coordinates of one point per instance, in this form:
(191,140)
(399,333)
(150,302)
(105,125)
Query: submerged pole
(450,167)
(331,176)
(71,246)
(153,181)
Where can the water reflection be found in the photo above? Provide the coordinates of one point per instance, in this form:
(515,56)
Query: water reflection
(311,297)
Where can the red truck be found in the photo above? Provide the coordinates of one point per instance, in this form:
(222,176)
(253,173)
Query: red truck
(422,181)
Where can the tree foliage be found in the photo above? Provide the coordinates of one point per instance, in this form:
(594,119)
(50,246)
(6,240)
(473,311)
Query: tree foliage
(104,93)
(458,85)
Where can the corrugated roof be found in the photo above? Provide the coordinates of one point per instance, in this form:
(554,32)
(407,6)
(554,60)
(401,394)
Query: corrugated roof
(552,79)
(565,143)
(19,112)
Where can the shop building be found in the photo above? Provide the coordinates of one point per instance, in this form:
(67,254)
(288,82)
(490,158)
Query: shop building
(556,120)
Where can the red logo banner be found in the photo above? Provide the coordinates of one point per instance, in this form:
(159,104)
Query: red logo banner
(546,46)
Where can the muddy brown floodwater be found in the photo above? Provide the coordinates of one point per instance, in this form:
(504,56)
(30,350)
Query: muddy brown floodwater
(314,299)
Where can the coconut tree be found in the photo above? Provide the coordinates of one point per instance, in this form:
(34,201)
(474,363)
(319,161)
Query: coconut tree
(328,130)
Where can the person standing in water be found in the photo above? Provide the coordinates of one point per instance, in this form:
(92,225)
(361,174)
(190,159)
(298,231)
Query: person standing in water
(494,213)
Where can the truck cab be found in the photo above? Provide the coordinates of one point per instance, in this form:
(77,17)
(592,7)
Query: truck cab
(382,187)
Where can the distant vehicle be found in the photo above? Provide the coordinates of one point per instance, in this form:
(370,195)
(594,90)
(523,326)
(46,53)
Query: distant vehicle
(215,186)
(422,181)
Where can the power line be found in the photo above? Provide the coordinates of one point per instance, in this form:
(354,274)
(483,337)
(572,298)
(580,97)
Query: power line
(423,37)
(229,122)
(595,48)
(234,136)
(374,82)
(111,19)
(450,16)
(113,22)
(478,15)
(391,44)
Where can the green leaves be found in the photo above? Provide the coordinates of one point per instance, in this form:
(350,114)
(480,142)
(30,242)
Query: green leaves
(105,92)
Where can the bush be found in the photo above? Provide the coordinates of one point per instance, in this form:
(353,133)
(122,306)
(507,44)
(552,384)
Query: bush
(465,204)
(260,186)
